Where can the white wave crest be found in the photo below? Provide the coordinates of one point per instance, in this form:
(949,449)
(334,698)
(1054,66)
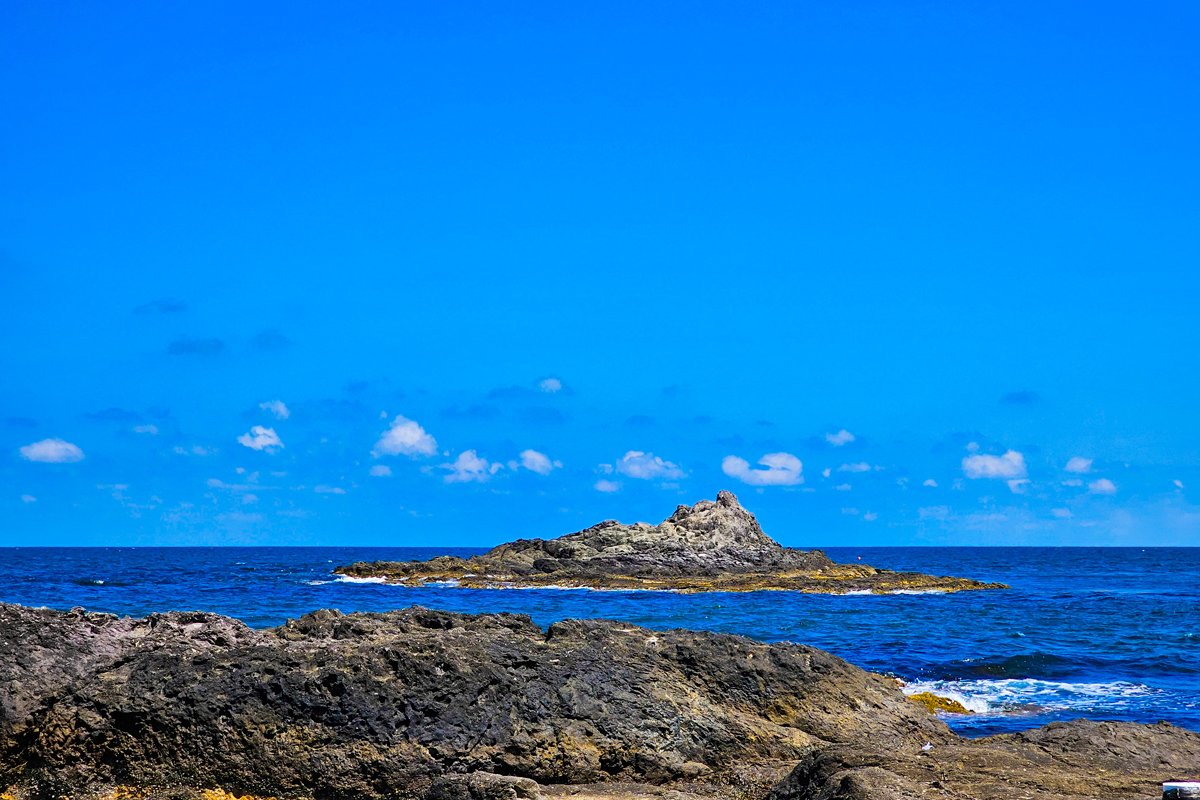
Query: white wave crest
(352,579)
(1016,694)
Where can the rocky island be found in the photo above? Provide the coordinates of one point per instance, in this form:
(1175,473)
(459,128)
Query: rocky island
(433,705)
(711,546)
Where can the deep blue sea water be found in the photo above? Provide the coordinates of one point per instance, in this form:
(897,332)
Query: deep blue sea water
(1106,633)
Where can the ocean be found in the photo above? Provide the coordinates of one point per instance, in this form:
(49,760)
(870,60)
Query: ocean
(1103,633)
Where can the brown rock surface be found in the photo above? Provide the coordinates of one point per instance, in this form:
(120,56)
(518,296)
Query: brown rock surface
(429,704)
(711,546)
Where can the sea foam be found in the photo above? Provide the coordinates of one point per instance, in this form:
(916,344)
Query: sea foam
(1024,694)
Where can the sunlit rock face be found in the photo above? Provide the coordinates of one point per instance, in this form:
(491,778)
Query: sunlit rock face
(714,545)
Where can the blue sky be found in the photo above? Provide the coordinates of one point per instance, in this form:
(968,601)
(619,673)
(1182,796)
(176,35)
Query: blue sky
(498,250)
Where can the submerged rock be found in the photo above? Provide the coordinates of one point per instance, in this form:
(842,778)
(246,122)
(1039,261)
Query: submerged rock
(711,546)
(440,706)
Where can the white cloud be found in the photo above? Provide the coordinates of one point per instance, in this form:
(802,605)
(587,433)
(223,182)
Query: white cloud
(249,499)
(28,498)
(1102,486)
(870,516)
(849,510)
(551,385)
(1008,466)
(782,469)
(537,462)
(383,415)
(862,466)
(845,487)
(1061,513)
(323,489)
(52,451)
(930,482)
(1073,482)
(973,447)
(1017,485)
(1079,466)
(260,438)
(605,468)
(150,429)
(1178,483)
(469,467)
(826,472)
(840,438)
(381,471)
(606,486)
(276,407)
(647,466)
(405,437)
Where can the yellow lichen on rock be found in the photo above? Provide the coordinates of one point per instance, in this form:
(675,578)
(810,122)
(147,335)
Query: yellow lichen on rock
(934,703)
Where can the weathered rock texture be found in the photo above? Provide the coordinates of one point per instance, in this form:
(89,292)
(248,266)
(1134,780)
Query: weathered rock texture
(711,546)
(429,704)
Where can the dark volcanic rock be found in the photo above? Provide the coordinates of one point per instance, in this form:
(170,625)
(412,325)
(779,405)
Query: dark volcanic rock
(711,546)
(368,704)
(441,706)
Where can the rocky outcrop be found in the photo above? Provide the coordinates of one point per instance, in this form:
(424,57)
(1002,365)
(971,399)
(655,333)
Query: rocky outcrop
(408,702)
(711,546)
(429,704)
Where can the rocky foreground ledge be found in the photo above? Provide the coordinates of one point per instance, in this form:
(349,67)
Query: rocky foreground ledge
(711,546)
(439,706)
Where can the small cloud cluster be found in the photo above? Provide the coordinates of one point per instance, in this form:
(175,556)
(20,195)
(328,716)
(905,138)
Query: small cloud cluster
(860,467)
(150,429)
(260,438)
(647,467)
(840,438)
(1102,486)
(537,462)
(1080,466)
(782,469)
(469,467)
(550,385)
(405,437)
(1009,466)
(52,451)
(276,407)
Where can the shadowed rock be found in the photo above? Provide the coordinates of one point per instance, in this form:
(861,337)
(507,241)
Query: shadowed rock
(711,546)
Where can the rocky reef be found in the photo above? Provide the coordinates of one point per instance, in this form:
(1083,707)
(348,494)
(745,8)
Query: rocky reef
(428,704)
(711,546)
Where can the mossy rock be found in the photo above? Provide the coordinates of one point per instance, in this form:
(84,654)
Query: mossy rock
(933,703)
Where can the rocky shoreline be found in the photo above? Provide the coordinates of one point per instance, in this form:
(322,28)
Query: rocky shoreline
(710,546)
(429,704)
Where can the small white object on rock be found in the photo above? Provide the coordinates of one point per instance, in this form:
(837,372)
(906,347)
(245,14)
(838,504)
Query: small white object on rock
(928,746)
